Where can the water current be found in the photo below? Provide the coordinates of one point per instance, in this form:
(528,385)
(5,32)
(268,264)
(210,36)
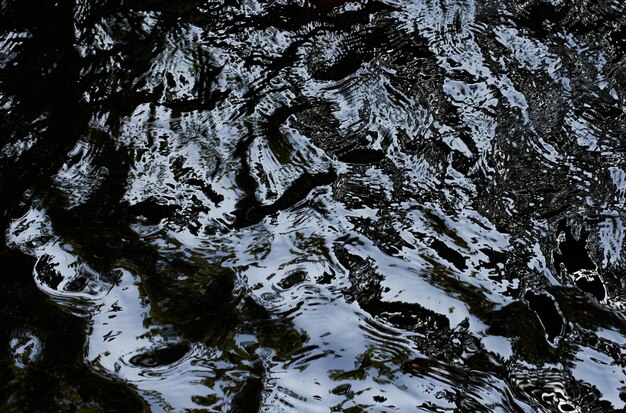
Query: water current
(312,206)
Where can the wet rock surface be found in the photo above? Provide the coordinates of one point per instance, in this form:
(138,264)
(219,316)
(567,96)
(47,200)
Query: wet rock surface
(314,205)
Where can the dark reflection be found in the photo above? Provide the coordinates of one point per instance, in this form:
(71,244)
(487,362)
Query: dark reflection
(160,357)
(548,314)
(312,205)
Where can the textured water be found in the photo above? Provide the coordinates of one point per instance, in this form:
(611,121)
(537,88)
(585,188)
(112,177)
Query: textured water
(312,206)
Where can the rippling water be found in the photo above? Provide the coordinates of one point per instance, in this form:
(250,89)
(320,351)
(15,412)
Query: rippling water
(313,206)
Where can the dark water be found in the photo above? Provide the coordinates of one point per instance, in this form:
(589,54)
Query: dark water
(322,206)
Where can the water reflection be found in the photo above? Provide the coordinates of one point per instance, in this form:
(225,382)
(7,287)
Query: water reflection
(313,205)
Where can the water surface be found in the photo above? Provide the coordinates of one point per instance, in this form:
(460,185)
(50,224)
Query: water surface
(312,206)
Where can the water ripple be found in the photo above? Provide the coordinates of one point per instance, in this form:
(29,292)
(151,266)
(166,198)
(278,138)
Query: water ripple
(313,205)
